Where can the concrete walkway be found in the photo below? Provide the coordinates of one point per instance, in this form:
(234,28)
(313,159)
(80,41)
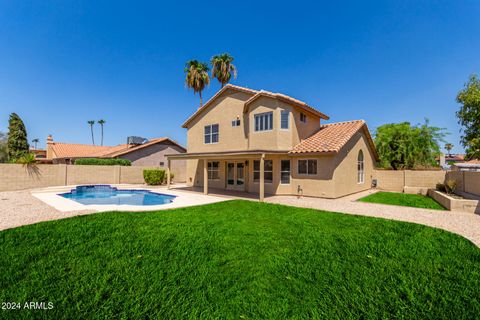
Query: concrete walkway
(462,223)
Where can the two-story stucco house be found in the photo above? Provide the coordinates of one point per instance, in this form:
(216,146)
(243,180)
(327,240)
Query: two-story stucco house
(269,143)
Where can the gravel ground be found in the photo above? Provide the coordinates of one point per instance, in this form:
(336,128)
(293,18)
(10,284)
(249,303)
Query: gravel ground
(462,223)
(18,208)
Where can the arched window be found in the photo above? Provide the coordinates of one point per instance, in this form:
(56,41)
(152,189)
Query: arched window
(360,168)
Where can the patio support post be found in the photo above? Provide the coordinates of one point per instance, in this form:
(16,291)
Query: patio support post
(205,176)
(262,178)
(168,173)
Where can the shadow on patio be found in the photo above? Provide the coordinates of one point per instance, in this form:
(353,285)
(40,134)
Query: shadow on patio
(220,192)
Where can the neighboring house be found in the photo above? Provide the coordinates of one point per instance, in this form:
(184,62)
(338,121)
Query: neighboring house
(270,143)
(446,160)
(472,165)
(151,153)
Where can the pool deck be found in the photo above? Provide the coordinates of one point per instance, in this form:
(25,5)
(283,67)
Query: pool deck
(51,197)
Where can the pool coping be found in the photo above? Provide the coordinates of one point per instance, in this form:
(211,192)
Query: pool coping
(51,196)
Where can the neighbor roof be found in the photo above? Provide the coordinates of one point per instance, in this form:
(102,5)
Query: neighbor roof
(141,146)
(255,95)
(73,150)
(332,137)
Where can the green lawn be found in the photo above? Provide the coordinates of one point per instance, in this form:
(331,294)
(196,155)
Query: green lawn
(403,199)
(238,260)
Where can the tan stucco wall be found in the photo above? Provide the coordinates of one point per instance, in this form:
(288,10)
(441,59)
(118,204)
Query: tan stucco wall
(230,105)
(336,174)
(154,155)
(18,177)
(222,111)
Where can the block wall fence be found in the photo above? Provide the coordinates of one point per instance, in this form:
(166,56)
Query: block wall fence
(19,177)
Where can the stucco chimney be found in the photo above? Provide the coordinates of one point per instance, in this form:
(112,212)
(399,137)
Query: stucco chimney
(49,147)
(442,160)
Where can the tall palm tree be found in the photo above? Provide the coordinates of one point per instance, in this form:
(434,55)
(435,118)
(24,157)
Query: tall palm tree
(35,141)
(197,76)
(101,122)
(448,147)
(222,68)
(91,123)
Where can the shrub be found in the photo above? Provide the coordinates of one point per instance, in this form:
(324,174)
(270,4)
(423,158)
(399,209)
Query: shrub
(441,187)
(103,162)
(153,176)
(450,186)
(27,159)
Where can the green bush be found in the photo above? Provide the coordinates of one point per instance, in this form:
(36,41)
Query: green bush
(103,162)
(153,176)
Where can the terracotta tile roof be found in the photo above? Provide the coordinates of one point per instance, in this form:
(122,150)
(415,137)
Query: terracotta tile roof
(73,150)
(255,95)
(473,161)
(332,137)
(287,99)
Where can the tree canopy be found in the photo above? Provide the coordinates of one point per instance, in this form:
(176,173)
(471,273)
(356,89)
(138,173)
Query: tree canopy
(406,146)
(17,143)
(469,117)
(223,68)
(196,76)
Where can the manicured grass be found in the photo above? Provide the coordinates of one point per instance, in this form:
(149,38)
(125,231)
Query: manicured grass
(403,199)
(239,260)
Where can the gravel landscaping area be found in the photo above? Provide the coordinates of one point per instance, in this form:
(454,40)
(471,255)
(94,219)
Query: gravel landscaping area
(18,208)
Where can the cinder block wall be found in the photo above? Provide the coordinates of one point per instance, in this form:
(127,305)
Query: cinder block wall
(392,180)
(19,177)
(467,181)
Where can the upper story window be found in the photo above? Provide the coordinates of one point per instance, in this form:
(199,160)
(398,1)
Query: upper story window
(236,123)
(211,133)
(285,119)
(307,166)
(264,121)
(303,117)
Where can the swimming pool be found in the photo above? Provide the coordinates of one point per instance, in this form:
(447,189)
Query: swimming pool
(108,195)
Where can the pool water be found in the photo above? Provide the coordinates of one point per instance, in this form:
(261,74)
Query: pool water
(107,195)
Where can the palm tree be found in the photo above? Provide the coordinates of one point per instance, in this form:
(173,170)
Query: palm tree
(197,76)
(101,122)
(222,68)
(91,123)
(448,147)
(35,141)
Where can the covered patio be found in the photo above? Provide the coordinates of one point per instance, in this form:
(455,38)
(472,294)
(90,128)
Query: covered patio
(235,176)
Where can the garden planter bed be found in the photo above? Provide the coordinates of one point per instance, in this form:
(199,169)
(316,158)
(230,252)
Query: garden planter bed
(455,204)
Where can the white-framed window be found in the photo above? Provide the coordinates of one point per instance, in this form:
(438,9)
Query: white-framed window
(307,166)
(211,133)
(264,121)
(303,117)
(268,171)
(284,119)
(360,168)
(213,170)
(285,171)
(236,123)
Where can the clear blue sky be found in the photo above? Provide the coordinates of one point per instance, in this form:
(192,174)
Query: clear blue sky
(66,62)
